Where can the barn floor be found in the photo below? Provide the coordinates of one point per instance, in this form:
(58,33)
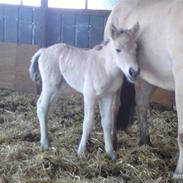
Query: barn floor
(22,159)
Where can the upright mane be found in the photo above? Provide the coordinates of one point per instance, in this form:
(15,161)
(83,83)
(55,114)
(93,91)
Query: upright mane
(101,45)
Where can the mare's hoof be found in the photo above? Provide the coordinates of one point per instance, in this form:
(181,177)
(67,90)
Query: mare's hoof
(178,177)
(145,141)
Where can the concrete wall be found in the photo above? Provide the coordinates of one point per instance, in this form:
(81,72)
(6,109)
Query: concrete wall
(14,64)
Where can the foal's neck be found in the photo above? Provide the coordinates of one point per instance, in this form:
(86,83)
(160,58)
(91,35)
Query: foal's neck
(108,54)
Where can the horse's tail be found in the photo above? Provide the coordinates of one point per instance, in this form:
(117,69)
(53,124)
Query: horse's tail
(34,67)
(127,100)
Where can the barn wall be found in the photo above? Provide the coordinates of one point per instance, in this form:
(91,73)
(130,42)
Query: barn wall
(18,24)
(81,28)
(14,64)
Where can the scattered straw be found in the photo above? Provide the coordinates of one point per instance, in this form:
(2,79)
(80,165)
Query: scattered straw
(23,160)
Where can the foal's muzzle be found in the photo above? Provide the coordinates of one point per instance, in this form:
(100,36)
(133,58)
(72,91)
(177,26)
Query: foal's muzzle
(133,74)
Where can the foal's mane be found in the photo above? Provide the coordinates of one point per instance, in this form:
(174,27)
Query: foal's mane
(101,45)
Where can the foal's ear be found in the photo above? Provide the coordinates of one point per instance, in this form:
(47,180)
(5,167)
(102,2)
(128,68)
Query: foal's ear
(134,30)
(114,32)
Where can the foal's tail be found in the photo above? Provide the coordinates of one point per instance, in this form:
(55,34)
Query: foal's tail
(34,67)
(127,100)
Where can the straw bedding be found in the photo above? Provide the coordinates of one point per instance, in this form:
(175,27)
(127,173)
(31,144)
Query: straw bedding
(23,160)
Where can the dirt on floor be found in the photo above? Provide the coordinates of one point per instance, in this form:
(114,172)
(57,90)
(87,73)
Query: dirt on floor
(23,161)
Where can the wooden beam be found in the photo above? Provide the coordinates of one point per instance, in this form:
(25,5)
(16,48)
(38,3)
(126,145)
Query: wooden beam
(42,32)
(43,23)
(86,4)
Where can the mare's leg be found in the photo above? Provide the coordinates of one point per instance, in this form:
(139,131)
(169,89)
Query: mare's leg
(146,92)
(115,108)
(178,75)
(47,98)
(175,45)
(89,106)
(105,105)
(174,104)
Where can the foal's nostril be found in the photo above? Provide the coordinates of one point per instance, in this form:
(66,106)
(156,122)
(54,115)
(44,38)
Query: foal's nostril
(134,73)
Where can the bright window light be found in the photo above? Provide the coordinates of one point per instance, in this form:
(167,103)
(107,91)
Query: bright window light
(31,2)
(9,1)
(76,4)
(102,4)
(73,4)
(23,2)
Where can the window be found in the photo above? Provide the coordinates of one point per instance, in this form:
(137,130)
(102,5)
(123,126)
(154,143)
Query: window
(101,4)
(10,1)
(22,2)
(82,4)
(31,2)
(73,4)
(77,4)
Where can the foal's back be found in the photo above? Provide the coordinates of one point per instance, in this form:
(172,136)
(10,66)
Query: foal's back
(64,62)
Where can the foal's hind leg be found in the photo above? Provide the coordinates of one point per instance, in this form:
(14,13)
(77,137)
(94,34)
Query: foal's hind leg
(45,101)
(105,105)
(142,107)
(89,106)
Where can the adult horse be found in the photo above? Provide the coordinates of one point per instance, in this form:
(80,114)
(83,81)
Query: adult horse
(96,73)
(160,55)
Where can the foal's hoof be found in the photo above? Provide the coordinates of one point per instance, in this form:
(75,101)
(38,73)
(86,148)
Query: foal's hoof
(81,155)
(81,152)
(45,145)
(113,155)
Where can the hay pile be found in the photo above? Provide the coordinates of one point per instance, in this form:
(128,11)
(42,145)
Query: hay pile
(22,159)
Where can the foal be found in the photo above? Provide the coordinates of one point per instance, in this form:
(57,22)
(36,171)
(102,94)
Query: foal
(96,73)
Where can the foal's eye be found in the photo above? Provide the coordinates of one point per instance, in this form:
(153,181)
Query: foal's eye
(118,50)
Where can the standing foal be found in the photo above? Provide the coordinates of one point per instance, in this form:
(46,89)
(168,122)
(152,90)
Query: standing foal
(96,73)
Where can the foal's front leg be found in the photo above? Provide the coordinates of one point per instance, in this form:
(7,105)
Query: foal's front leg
(89,106)
(105,105)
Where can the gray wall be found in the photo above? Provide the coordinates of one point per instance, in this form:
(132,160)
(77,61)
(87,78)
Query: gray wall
(81,28)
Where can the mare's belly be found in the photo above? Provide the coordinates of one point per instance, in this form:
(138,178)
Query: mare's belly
(157,69)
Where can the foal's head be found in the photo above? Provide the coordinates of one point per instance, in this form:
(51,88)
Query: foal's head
(124,42)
